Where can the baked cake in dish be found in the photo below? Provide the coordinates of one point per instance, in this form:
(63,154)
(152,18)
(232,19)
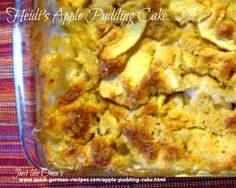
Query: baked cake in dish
(155,97)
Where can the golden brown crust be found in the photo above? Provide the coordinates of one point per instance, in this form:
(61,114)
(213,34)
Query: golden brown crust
(71,94)
(228,68)
(230,122)
(225,29)
(148,109)
(78,124)
(101,152)
(117,111)
(111,67)
(172,153)
(141,139)
(151,80)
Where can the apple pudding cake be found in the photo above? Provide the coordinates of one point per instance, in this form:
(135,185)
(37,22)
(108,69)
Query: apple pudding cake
(154,97)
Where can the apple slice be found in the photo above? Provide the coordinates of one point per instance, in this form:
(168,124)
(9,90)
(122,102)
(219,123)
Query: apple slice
(220,32)
(131,35)
(138,64)
(137,67)
(209,33)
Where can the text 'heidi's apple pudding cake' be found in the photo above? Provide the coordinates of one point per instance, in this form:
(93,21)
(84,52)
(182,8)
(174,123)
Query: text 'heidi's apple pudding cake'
(142,97)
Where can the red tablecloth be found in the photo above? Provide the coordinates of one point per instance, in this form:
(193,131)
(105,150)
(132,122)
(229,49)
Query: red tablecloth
(11,156)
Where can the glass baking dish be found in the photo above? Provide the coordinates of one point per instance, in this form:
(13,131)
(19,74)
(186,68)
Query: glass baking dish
(24,82)
(26,99)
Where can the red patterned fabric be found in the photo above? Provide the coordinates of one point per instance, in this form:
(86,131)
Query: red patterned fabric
(11,155)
